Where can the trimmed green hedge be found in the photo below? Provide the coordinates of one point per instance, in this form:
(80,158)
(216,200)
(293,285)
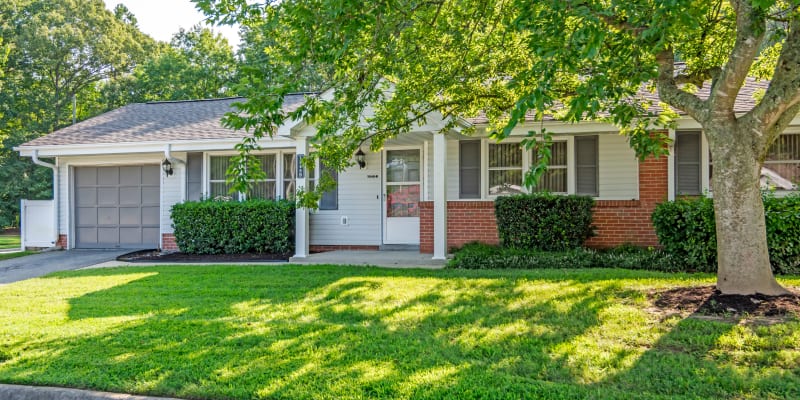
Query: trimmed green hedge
(231,227)
(686,229)
(483,256)
(544,221)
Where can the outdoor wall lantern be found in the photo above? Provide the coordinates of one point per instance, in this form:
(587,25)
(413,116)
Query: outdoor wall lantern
(167,167)
(361,159)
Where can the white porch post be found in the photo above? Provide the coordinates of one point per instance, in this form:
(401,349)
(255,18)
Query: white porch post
(301,214)
(439,197)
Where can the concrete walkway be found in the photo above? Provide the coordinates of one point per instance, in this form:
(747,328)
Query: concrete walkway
(35,265)
(384,258)
(21,392)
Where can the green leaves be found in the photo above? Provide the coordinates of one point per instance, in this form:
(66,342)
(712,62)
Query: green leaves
(543,221)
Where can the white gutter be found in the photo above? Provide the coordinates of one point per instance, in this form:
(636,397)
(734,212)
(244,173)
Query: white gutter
(57,209)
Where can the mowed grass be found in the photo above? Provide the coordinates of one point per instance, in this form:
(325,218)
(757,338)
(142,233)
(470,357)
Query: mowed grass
(6,256)
(9,242)
(331,332)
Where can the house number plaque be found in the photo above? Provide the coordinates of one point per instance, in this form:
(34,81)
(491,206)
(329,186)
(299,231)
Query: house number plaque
(301,170)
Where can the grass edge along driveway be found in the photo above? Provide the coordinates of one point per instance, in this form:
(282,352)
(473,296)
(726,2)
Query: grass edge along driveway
(240,332)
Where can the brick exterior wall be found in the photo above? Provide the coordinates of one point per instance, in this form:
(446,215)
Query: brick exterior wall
(62,241)
(467,221)
(621,222)
(168,242)
(617,221)
(320,248)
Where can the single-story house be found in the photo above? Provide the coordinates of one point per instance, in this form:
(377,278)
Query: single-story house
(425,189)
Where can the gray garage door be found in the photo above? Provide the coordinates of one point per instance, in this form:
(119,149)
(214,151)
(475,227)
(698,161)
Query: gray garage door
(117,207)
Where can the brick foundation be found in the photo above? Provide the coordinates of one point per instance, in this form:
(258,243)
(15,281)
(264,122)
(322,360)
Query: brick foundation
(467,221)
(320,248)
(62,241)
(617,221)
(168,242)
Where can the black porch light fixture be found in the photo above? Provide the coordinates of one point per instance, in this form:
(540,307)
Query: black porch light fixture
(167,167)
(361,159)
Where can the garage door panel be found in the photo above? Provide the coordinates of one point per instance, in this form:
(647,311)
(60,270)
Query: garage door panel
(108,235)
(86,235)
(130,235)
(85,176)
(86,196)
(85,216)
(150,216)
(130,216)
(107,216)
(150,195)
(150,235)
(108,176)
(117,206)
(151,175)
(130,195)
(107,196)
(130,176)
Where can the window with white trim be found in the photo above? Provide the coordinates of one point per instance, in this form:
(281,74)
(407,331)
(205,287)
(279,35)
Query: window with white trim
(554,180)
(781,169)
(262,188)
(505,169)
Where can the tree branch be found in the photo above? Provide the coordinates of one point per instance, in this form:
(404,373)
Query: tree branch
(783,93)
(669,91)
(750,30)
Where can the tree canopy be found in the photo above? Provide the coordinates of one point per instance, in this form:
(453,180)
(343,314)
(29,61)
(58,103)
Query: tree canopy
(575,60)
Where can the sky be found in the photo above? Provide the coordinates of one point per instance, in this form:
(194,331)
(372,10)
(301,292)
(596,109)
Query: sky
(163,18)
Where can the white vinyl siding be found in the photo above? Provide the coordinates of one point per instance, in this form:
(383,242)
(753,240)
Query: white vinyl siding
(360,203)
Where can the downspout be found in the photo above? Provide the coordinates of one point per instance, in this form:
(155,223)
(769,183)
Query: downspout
(168,155)
(57,209)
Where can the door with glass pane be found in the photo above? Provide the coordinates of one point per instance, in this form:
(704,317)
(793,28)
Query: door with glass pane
(402,184)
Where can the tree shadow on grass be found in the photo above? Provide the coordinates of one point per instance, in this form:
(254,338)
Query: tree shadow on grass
(325,332)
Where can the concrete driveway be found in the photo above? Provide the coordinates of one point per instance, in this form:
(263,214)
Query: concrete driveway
(35,265)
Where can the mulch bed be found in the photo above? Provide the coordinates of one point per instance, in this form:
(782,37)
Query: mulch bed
(707,300)
(178,257)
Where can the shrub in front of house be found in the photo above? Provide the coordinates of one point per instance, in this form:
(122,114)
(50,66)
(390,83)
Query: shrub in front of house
(483,256)
(686,229)
(232,227)
(542,221)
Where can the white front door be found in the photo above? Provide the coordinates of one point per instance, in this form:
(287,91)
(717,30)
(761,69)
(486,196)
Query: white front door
(403,181)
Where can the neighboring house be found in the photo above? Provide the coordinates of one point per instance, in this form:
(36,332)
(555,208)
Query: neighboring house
(111,191)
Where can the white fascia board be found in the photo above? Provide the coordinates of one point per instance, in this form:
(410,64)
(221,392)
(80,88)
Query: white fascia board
(145,147)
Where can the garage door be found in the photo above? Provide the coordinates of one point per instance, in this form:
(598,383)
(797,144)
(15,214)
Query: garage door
(117,207)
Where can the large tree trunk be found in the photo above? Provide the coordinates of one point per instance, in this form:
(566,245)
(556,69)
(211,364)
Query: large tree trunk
(742,256)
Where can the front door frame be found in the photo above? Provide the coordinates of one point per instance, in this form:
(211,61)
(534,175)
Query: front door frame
(422,170)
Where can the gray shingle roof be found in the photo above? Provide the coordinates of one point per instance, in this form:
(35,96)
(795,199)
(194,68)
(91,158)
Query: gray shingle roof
(745,101)
(156,122)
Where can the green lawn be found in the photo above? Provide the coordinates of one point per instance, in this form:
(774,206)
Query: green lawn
(241,332)
(9,241)
(6,256)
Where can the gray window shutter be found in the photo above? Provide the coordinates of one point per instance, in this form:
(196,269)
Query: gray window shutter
(586,165)
(330,199)
(469,169)
(194,176)
(687,163)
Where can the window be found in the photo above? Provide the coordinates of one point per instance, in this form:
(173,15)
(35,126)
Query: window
(194,176)
(289,175)
(554,179)
(687,163)
(262,188)
(781,170)
(330,198)
(586,165)
(505,168)
(469,169)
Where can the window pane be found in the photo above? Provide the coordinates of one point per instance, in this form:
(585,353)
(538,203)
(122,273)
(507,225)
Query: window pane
(505,182)
(267,164)
(219,166)
(402,165)
(785,148)
(554,180)
(288,189)
(558,152)
(402,201)
(263,190)
(505,155)
(220,189)
(289,166)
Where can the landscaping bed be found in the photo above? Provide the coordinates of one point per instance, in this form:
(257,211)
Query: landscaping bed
(179,257)
(707,300)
